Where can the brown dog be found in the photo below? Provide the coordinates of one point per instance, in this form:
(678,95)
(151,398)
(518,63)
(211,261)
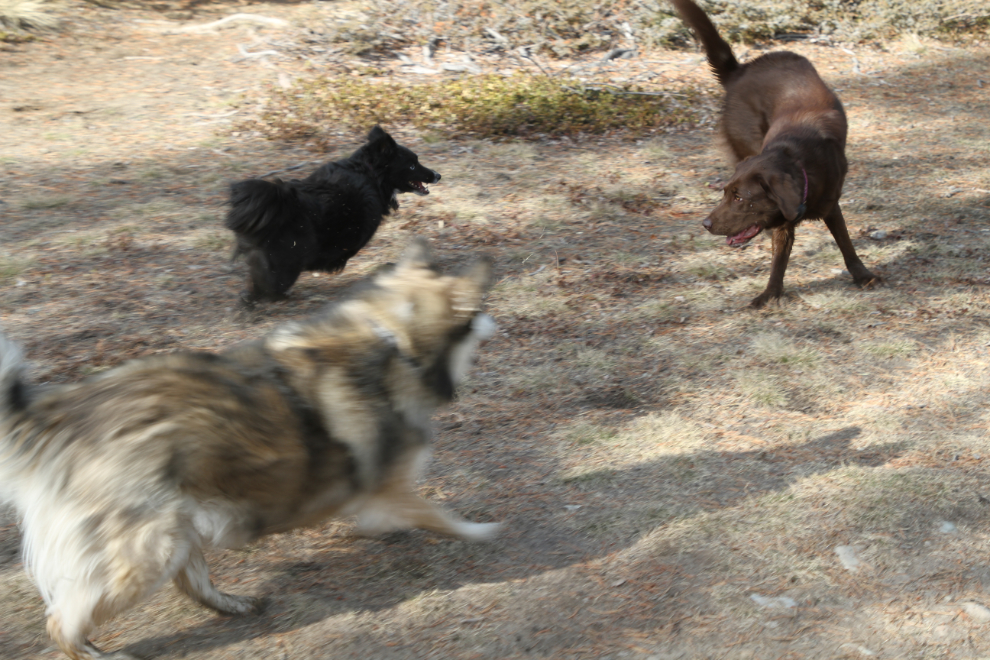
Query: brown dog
(787,131)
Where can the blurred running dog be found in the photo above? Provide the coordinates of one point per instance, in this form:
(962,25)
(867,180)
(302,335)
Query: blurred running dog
(122,479)
(318,223)
(787,130)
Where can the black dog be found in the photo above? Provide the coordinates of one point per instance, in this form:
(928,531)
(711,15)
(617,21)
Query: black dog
(318,223)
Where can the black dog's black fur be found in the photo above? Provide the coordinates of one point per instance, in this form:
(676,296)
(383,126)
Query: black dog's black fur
(286,227)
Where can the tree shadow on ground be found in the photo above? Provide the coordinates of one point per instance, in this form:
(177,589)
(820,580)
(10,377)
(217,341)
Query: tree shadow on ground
(377,575)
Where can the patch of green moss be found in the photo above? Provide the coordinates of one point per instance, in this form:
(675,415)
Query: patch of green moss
(481,106)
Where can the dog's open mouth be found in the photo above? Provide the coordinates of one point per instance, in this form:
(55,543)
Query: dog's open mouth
(419,188)
(743,237)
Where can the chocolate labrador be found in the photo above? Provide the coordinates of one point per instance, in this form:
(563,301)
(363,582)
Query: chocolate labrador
(787,131)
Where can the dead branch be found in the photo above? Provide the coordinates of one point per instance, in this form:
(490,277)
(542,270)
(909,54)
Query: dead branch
(233,18)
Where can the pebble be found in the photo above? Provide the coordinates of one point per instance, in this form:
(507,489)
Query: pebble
(878,235)
(976,612)
(773,601)
(839,271)
(947,527)
(847,555)
(862,650)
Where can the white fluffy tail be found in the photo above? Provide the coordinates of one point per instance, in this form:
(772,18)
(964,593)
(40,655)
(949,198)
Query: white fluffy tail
(13,389)
(13,399)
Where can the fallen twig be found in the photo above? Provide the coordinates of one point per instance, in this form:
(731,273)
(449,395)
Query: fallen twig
(525,54)
(261,53)
(233,18)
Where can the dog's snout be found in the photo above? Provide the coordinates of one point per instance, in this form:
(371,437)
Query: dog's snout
(707,224)
(436,176)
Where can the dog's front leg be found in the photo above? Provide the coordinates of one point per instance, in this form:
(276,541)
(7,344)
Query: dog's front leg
(837,225)
(193,579)
(395,510)
(783,241)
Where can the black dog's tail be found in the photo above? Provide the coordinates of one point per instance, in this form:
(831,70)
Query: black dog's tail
(720,56)
(259,208)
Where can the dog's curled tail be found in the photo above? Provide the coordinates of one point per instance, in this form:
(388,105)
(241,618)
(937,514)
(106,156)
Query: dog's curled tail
(720,57)
(259,208)
(14,398)
(13,388)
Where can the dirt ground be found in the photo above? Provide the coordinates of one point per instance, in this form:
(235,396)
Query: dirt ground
(680,476)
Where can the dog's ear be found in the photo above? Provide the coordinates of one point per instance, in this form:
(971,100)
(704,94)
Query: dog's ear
(416,255)
(787,193)
(468,288)
(478,273)
(382,144)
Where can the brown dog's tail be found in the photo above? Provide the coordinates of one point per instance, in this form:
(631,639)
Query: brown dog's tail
(720,56)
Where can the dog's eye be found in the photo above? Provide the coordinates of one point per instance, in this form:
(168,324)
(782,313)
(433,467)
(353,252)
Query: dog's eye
(412,167)
(737,198)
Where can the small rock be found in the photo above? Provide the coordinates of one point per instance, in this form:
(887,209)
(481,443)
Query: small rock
(847,555)
(862,650)
(976,612)
(470,68)
(839,271)
(947,527)
(572,507)
(773,601)
(878,235)
(686,238)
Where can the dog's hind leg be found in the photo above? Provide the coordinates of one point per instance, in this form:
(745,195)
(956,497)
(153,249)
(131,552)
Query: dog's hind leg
(99,568)
(837,225)
(73,642)
(193,579)
(269,276)
(262,284)
(94,598)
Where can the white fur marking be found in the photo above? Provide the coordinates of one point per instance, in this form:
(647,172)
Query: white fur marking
(470,531)
(404,311)
(484,326)
(462,356)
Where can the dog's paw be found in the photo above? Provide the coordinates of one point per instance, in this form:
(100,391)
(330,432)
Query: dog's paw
(870,281)
(258,604)
(238,605)
(763,299)
(91,652)
(247,300)
(470,531)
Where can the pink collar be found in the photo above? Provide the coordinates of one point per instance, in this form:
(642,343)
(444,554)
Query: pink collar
(804,200)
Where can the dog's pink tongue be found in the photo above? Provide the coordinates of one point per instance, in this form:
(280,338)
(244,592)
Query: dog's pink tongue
(743,236)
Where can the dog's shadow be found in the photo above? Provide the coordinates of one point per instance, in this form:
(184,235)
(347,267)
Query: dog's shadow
(376,575)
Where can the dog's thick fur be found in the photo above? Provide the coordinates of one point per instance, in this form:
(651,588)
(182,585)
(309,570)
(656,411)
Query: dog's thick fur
(123,479)
(787,131)
(286,227)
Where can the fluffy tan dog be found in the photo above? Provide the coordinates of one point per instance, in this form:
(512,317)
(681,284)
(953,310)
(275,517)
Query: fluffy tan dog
(123,479)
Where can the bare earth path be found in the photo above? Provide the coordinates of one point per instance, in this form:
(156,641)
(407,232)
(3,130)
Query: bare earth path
(681,477)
